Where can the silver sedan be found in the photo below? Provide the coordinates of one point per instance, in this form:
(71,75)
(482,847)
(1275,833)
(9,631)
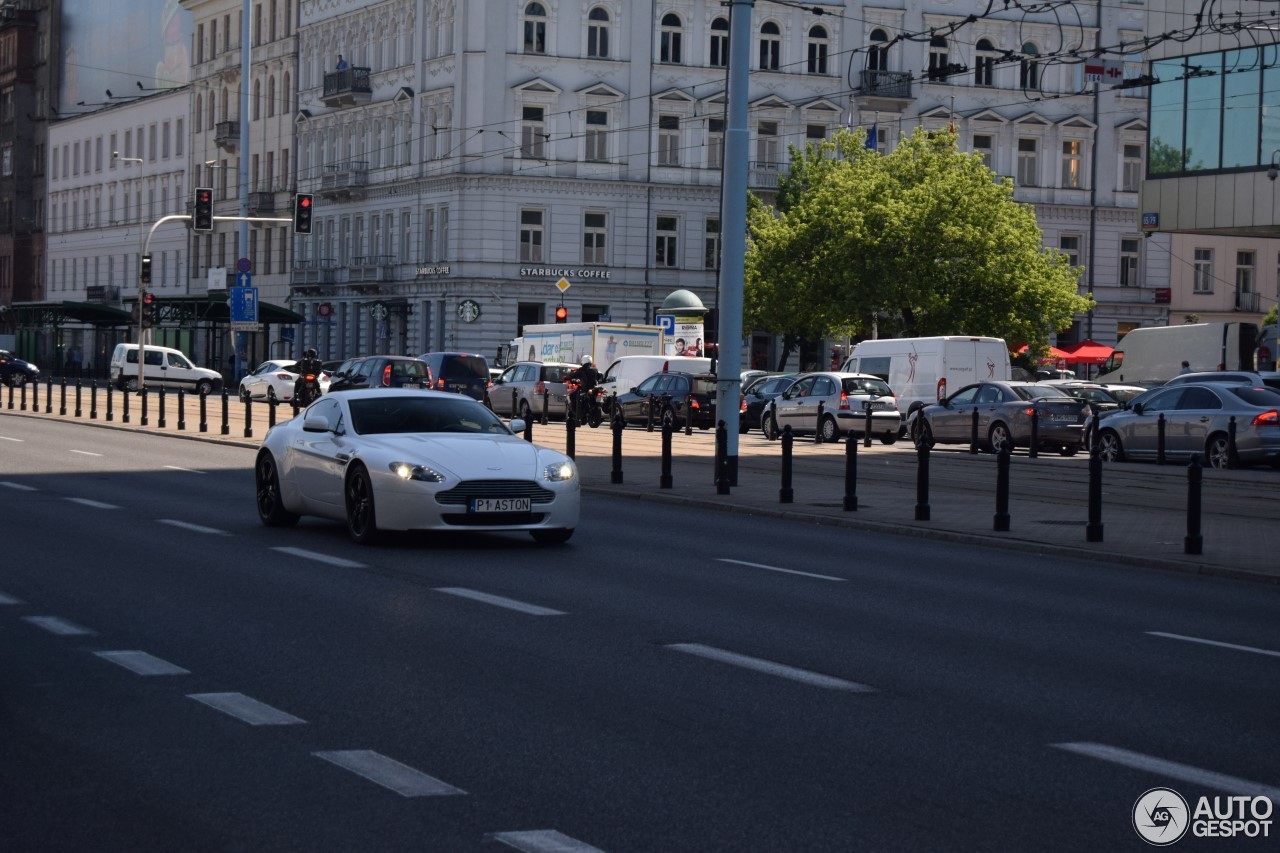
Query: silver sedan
(1004,412)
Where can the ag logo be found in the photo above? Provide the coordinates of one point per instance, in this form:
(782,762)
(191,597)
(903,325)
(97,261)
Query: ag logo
(1160,816)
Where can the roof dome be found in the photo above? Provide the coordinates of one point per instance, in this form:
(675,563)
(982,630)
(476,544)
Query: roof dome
(682,302)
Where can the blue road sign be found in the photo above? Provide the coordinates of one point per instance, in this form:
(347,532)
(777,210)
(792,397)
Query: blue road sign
(244,304)
(667,322)
(244,279)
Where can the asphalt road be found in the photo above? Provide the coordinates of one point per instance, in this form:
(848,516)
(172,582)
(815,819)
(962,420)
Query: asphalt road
(671,680)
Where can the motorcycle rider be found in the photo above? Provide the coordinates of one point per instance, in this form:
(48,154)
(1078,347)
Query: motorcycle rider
(587,378)
(309,365)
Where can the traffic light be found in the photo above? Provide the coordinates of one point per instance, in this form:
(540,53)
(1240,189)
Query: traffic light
(562,314)
(302,213)
(202,218)
(148,309)
(144,270)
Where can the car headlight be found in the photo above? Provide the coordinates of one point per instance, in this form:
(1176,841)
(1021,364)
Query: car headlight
(558,472)
(409,471)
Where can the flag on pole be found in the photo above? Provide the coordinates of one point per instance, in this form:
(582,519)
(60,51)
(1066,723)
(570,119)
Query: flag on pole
(872,139)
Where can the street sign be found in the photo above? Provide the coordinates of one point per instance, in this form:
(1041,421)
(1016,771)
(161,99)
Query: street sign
(244,279)
(667,322)
(562,285)
(288,333)
(244,265)
(244,304)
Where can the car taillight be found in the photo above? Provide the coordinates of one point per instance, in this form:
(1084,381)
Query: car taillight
(440,383)
(386,376)
(1029,411)
(844,401)
(693,403)
(743,407)
(1271,418)
(284,377)
(942,389)
(540,388)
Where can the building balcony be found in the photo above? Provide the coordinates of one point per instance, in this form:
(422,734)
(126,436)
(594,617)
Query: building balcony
(342,181)
(1247,302)
(262,202)
(371,270)
(226,134)
(313,275)
(762,175)
(349,87)
(885,90)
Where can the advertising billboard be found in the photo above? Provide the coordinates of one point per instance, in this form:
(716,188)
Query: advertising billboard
(122,48)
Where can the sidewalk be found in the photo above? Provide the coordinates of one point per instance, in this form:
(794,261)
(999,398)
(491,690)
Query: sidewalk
(1144,519)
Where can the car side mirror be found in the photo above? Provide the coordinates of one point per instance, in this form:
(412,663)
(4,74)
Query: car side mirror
(635,390)
(517,425)
(315,423)
(1137,408)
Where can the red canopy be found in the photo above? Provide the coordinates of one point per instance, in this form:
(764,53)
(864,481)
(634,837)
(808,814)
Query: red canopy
(1087,352)
(1051,356)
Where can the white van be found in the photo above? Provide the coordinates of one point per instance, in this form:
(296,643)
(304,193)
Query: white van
(629,371)
(921,371)
(165,368)
(1151,355)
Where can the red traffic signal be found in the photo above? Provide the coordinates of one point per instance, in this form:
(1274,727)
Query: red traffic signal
(562,314)
(147,309)
(202,216)
(302,206)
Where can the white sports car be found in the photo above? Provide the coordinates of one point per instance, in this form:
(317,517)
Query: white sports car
(274,381)
(384,459)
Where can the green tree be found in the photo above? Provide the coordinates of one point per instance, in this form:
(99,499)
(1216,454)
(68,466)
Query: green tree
(925,239)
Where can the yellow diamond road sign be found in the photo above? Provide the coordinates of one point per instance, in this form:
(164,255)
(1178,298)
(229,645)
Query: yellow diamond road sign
(562,285)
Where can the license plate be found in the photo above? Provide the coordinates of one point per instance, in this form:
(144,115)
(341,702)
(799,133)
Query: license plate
(499,505)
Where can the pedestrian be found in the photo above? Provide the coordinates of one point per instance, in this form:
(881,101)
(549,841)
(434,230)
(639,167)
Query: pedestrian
(1186,368)
(342,63)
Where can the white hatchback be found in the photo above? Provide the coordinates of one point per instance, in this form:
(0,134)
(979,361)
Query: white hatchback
(274,382)
(845,400)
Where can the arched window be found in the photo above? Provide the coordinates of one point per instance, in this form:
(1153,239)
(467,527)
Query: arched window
(770,46)
(271,96)
(817,47)
(984,63)
(718,55)
(1029,72)
(199,114)
(939,59)
(257,99)
(284,94)
(878,51)
(535,28)
(598,33)
(670,47)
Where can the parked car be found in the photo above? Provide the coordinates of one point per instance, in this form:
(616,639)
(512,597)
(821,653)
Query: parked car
(524,388)
(845,398)
(274,381)
(1196,423)
(459,372)
(1004,417)
(380,371)
(669,396)
(163,367)
(1264,379)
(398,459)
(757,395)
(1099,397)
(16,372)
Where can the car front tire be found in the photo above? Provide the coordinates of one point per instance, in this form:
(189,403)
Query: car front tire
(1217,452)
(362,520)
(922,433)
(270,503)
(1109,447)
(769,426)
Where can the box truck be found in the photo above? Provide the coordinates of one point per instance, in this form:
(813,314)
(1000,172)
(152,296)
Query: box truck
(1152,355)
(922,371)
(569,342)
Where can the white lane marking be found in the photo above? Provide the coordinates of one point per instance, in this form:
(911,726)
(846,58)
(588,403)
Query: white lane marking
(388,773)
(8,599)
(94,504)
(55,625)
(1217,643)
(1171,769)
(543,841)
(777,569)
(499,601)
(85,452)
(180,468)
(771,668)
(320,558)
(242,707)
(21,487)
(142,663)
(7,438)
(194,528)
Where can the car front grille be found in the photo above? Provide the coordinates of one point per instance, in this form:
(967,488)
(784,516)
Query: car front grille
(460,494)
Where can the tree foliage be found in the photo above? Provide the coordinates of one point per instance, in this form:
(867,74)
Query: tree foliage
(925,239)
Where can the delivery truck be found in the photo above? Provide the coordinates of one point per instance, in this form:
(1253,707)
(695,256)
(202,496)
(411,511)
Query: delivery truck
(570,342)
(1152,355)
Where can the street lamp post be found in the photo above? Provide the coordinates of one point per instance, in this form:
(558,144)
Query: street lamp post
(142,332)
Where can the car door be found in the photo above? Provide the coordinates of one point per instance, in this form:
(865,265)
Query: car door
(794,406)
(501,395)
(953,422)
(1194,419)
(1139,431)
(635,406)
(317,461)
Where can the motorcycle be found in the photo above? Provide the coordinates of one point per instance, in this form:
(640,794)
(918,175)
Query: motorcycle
(586,405)
(307,390)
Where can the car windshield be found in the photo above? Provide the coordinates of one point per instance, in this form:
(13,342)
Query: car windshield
(456,367)
(404,414)
(866,386)
(1038,392)
(552,373)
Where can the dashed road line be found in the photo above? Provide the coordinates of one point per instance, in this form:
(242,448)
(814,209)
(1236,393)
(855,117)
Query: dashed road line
(142,663)
(543,841)
(194,528)
(499,601)
(1171,769)
(320,558)
(186,470)
(85,452)
(1217,643)
(21,487)
(56,625)
(778,569)
(769,667)
(10,438)
(91,503)
(389,773)
(249,710)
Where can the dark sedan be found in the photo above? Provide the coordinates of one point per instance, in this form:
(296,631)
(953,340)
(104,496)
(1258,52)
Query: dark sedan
(757,394)
(15,372)
(670,398)
(1004,411)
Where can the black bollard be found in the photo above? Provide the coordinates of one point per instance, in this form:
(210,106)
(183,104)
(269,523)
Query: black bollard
(664,479)
(93,399)
(570,433)
(922,480)
(515,399)
(248,417)
(817,433)
(1233,457)
(162,422)
(182,409)
(1034,450)
(688,416)
(145,417)
(22,394)
(204,412)
(866,438)
(851,473)
(11,396)
(528,428)
(110,414)
(615,476)
(973,434)
(1002,490)
(48,396)
(648,423)
(722,459)
(271,411)
(546,401)
(79,410)
(1160,428)
(786,494)
(124,398)
(1093,530)
(62,396)
(1194,543)
(226,425)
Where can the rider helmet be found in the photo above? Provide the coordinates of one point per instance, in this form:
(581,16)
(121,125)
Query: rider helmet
(586,359)
(311,353)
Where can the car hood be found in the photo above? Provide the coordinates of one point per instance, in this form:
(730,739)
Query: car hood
(466,456)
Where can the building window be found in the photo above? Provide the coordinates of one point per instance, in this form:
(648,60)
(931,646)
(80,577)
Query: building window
(984,63)
(1070,246)
(767,145)
(1203,278)
(595,230)
(664,254)
(1072,163)
(715,143)
(770,46)
(598,33)
(1132,173)
(1244,272)
(719,53)
(531,236)
(938,59)
(668,140)
(815,133)
(877,51)
(597,136)
(671,42)
(1129,261)
(535,28)
(533,133)
(1028,162)
(1029,69)
(984,147)
(711,245)
(817,48)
